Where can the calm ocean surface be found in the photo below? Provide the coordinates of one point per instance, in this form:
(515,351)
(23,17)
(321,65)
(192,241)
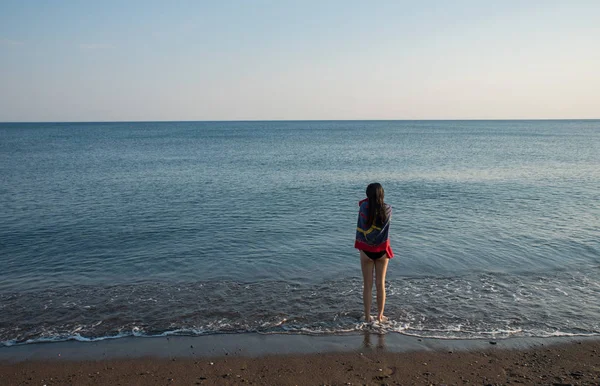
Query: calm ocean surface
(117,229)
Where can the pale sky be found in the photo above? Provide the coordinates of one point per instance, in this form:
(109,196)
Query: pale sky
(271,60)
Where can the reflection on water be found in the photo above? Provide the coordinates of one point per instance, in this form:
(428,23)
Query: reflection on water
(372,338)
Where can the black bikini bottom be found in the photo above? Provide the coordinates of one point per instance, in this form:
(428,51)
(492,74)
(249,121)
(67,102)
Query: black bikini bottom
(374,255)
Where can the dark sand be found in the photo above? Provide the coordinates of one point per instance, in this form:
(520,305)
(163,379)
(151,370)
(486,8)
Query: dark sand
(576,362)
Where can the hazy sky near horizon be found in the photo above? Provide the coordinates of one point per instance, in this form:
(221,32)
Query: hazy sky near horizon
(255,60)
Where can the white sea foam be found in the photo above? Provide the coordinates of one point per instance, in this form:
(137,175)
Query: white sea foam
(450,333)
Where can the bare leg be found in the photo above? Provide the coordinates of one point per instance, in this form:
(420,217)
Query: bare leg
(380,272)
(367,266)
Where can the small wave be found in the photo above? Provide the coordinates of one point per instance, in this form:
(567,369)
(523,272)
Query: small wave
(450,333)
(497,306)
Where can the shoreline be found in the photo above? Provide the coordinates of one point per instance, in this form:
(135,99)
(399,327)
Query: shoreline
(300,359)
(258,344)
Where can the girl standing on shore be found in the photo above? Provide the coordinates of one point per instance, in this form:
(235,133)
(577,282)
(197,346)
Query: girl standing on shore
(375,251)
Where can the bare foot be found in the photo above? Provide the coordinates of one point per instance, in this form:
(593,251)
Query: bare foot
(382,319)
(367,319)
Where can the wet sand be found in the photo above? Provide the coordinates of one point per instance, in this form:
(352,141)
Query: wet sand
(572,362)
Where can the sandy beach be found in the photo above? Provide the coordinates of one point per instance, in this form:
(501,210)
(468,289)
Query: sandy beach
(576,362)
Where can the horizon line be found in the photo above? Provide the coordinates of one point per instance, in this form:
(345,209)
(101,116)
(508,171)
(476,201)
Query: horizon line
(314,120)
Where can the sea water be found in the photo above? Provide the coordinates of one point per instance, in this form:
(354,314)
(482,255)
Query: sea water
(157,228)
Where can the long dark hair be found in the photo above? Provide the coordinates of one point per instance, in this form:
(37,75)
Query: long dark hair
(376,206)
